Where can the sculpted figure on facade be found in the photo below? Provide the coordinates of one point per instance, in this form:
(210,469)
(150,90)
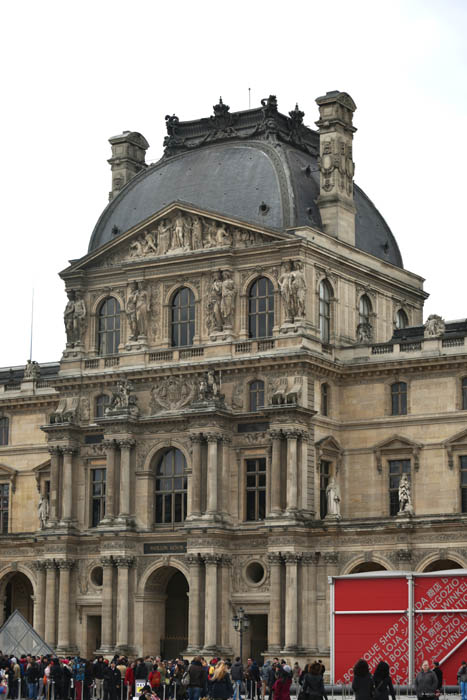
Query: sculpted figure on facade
(220,305)
(74,318)
(405,499)
(43,511)
(131,310)
(229,293)
(209,388)
(171,393)
(137,310)
(32,370)
(365,333)
(123,401)
(434,326)
(333,498)
(293,290)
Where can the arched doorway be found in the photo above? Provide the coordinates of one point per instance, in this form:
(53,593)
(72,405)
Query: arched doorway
(367,566)
(442,565)
(18,596)
(165,630)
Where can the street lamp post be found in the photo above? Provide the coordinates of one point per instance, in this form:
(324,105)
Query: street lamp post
(241,622)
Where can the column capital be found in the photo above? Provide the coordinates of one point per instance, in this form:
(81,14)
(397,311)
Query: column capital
(310,557)
(211,559)
(291,558)
(126,443)
(226,439)
(50,564)
(225,560)
(274,558)
(193,560)
(109,444)
(276,434)
(38,565)
(331,557)
(54,449)
(196,437)
(69,450)
(65,564)
(212,437)
(293,433)
(107,561)
(124,562)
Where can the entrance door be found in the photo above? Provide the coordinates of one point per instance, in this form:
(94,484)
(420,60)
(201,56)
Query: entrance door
(18,596)
(93,636)
(176,617)
(258,637)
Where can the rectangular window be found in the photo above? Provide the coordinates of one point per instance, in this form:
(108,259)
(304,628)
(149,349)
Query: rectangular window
(4,507)
(399,399)
(256,489)
(464,394)
(4,426)
(98,477)
(463,466)
(397,467)
(324,476)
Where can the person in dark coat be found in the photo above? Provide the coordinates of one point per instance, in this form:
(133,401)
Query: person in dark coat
(98,670)
(426,682)
(237,674)
(439,674)
(220,685)
(112,682)
(362,683)
(198,679)
(56,676)
(313,684)
(141,671)
(383,683)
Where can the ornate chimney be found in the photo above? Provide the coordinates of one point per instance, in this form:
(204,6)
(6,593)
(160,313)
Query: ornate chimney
(128,158)
(336,131)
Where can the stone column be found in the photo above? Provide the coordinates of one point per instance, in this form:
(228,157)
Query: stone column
(332,569)
(64,567)
(291,600)
(39,598)
(194,631)
(67,483)
(125,479)
(225,622)
(50,568)
(110,447)
(225,475)
(308,601)
(194,500)
(292,471)
(107,638)
(212,439)
(55,453)
(321,610)
(123,566)
(210,602)
(275,597)
(275,487)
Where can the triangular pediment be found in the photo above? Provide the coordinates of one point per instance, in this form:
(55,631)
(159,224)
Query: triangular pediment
(329,443)
(397,442)
(177,230)
(459,439)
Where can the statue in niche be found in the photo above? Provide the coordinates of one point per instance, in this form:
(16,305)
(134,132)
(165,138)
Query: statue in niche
(333,497)
(298,289)
(434,326)
(365,333)
(68,317)
(142,310)
(228,299)
(405,500)
(131,310)
(214,305)
(74,317)
(285,285)
(43,511)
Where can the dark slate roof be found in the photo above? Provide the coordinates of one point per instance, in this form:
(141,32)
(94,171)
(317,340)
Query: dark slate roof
(234,163)
(453,329)
(14,375)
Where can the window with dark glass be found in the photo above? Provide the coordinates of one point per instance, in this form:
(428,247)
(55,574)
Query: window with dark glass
(256,395)
(108,331)
(261,308)
(325,294)
(183,317)
(463,467)
(4,430)
(256,489)
(464,395)
(325,399)
(4,507)
(397,467)
(399,399)
(324,476)
(171,487)
(401,319)
(98,477)
(102,402)
(364,309)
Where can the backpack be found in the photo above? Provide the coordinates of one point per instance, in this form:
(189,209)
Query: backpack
(186,679)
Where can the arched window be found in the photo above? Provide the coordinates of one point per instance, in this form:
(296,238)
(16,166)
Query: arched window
(102,401)
(256,395)
(464,396)
(364,309)
(171,487)
(4,430)
(325,398)
(401,319)
(108,332)
(325,294)
(399,399)
(183,317)
(261,308)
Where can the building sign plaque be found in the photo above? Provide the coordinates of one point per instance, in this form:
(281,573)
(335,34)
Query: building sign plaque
(164,548)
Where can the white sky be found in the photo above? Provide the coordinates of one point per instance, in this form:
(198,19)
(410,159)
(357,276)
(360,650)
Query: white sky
(76,73)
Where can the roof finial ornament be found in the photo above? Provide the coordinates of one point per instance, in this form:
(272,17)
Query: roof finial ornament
(296,116)
(269,106)
(220,109)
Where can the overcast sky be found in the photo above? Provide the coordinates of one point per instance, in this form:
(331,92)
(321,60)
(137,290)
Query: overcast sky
(76,73)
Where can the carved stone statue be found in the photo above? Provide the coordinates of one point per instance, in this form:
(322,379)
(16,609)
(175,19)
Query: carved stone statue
(293,290)
(365,333)
(32,370)
(74,318)
(214,306)
(123,400)
(68,317)
(228,299)
(299,288)
(405,500)
(197,233)
(208,388)
(333,497)
(43,511)
(434,326)
(131,310)
(143,307)
(149,245)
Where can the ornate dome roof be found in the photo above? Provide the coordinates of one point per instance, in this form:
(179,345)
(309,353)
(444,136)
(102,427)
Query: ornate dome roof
(258,166)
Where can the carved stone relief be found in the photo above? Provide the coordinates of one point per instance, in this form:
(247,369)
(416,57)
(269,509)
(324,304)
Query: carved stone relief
(171,393)
(285,390)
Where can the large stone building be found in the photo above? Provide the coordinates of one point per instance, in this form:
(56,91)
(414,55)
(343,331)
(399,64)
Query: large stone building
(246,379)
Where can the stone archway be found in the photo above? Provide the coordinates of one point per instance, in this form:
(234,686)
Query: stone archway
(366,566)
(442,565)
(18,594)
(165,613)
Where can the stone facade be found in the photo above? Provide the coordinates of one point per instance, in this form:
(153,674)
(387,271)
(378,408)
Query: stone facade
(151,486)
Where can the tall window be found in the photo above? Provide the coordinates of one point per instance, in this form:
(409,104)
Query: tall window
(102,401)
(4,507)
(325,294)
(109,327)
(463,466)
(256,395)
(98,477)
(4,429)
(171,487)
(364,309)
(183,317)
(256,489)
(325,399)
(397,467)
(399,399)
(401,319)
(464,396)
(261,308)
(324,476)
